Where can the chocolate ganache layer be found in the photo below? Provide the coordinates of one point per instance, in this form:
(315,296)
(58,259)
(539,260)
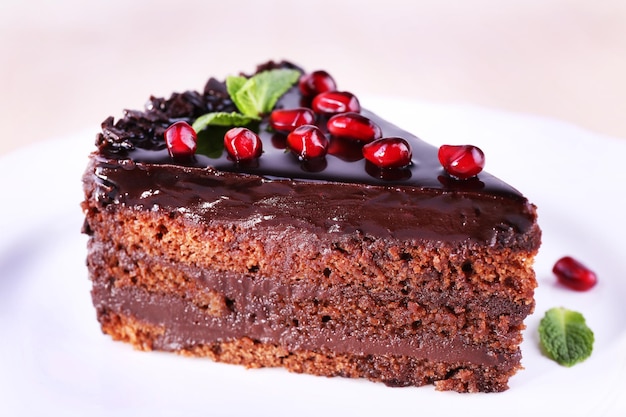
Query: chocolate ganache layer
(193,327)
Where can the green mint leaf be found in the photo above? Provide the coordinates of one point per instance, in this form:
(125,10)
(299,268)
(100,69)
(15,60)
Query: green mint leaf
(234,84)
(254,97)
(221,119)
(258,94)
(565,337)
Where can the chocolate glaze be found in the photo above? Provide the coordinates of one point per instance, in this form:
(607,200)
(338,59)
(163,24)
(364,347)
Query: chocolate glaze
(210,195)
(337,193)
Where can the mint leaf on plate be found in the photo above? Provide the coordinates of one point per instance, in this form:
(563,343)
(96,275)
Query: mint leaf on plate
(221,119)
(565,337)
(258,94)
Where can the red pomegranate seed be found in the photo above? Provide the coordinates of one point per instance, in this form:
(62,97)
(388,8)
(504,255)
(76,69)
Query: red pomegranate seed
(286,120)
(181,140)
(333,102)
(574,274)
(389,152)
(354,126)
(316,82)
(308,141)
(462,161)
(242,144)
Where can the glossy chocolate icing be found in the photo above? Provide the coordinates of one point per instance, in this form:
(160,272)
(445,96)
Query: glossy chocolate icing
(337,193)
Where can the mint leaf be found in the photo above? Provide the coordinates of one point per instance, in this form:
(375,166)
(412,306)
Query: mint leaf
(254,97)
(258,94)
(565,337)
(221,119)
(234,84)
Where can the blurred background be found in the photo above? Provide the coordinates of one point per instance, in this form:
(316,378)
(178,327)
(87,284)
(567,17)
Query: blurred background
(66,65)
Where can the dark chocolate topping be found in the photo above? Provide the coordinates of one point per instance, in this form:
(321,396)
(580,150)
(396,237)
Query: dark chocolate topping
(134,168)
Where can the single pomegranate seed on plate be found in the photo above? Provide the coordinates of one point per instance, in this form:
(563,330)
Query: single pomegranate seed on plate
(574,274)
(354,126)
(392,152)
(316,82)
(334,102)
(242,144)
(308,142)
(461,161)
(286,120)
(181,140)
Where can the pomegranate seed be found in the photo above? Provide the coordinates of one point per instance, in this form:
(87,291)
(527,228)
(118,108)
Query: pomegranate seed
(316,82)
(242,144)
(308,141)
(461,161)
(181,140)
(333,102)
(573,274)
(354,126)
(390,152)
(286,120)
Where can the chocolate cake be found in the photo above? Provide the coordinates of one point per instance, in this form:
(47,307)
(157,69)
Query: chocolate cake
(331,264)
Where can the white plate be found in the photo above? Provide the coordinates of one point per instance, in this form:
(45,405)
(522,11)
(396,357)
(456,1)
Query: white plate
(54,359)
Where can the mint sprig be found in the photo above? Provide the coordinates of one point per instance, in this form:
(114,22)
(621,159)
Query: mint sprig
(254,97)
(565,336)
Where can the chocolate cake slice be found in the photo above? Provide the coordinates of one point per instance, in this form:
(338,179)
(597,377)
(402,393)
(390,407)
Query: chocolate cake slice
(305,255)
